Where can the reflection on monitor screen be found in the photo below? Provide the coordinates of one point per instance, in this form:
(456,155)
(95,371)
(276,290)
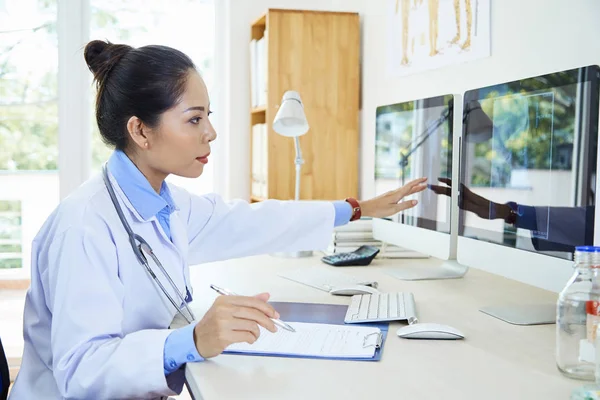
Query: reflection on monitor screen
(413,140)
(528,162)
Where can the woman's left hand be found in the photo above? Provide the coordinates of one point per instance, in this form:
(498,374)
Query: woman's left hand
(390,203)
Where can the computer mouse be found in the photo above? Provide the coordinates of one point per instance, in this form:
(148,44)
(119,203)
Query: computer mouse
(352,290)
(429,331)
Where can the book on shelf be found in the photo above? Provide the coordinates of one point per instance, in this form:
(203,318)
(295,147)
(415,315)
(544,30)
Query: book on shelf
(253,74)
(259,160)
(258,71)
(265,69)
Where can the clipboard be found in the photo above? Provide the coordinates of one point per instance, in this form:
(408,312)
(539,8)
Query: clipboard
(324,314)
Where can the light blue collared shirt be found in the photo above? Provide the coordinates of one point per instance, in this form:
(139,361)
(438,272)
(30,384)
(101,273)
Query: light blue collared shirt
(179,347)
(140,193)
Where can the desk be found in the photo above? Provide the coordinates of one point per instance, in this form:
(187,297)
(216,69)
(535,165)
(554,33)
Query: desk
(495,361)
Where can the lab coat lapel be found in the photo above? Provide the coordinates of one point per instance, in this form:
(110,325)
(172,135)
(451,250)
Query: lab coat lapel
(172,256)
(180,241)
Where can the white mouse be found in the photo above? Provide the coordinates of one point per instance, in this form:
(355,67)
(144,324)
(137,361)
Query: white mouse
(352,290)
(429,331)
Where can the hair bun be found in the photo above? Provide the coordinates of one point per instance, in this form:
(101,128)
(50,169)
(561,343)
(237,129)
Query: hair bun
(102,56)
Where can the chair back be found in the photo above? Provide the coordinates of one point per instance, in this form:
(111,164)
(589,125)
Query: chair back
(4,374)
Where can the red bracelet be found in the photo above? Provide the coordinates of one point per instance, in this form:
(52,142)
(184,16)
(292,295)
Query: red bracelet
(356,211)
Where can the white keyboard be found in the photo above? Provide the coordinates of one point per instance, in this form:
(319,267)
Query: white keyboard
(381,307)
(324,279)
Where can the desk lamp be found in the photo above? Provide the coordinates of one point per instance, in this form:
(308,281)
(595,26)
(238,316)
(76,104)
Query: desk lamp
(290,121)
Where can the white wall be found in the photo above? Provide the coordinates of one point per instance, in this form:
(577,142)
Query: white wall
(529,38)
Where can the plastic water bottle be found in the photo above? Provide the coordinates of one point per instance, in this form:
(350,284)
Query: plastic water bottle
(578,316)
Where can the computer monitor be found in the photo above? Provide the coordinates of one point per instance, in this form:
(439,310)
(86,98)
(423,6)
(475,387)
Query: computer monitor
(415,139)
(529,151)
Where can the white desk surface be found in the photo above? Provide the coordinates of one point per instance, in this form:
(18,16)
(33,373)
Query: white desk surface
(496,360)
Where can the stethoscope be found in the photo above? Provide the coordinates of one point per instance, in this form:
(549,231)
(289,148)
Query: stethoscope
(142,247)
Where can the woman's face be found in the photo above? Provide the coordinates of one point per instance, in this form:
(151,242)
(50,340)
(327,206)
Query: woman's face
(180,144)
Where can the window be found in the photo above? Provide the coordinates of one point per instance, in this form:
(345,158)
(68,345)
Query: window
(10,235)
(28,125)
(30,31)
(187,25)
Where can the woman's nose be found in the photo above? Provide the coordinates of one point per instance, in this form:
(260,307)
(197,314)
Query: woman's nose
(212,134)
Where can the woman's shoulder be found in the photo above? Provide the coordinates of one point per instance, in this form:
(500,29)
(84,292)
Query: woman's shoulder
(82,209)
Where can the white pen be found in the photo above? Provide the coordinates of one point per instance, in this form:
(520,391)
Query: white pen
(276,321)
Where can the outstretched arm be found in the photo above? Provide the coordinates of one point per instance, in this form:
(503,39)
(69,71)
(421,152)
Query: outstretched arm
(218,230)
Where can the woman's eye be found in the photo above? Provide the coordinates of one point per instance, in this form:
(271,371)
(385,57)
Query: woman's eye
(195,120)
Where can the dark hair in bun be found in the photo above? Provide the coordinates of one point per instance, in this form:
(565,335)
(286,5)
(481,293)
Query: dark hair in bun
(102,56)
(143,82)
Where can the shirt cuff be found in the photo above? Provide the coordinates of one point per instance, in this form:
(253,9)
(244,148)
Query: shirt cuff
(526,218)
(180,349)
(343,212)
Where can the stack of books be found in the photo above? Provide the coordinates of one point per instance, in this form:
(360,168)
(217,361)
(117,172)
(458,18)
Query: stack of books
(349,237)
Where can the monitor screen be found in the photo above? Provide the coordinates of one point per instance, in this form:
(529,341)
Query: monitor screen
(528,162)
(414,139)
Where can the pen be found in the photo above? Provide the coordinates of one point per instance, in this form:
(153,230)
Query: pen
(276,321)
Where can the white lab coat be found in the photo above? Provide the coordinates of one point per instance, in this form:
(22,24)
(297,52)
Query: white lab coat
(95,323)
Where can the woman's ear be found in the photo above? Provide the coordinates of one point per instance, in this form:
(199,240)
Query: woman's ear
(138,132)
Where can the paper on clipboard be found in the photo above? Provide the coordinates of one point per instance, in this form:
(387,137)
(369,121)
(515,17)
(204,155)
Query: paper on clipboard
(315,340)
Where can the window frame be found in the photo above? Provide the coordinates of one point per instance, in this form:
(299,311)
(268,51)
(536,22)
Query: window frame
(74,109)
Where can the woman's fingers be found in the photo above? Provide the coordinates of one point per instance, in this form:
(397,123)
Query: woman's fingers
(255,316)
(262,296)
(417,189)
(414,186)
(413,183)
(405,205)
(233,319)
(252,302)
(245,325)
(240,337)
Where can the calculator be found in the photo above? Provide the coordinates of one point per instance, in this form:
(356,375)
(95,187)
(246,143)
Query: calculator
(361,256)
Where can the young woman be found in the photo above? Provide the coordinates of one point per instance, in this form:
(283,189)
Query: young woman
(96,317)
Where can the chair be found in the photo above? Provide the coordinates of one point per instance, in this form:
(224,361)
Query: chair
(4,374)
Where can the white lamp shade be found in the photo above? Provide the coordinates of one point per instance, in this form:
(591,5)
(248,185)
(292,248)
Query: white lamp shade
(290,120)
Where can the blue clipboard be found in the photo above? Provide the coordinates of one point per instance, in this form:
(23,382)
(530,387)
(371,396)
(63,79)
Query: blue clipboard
(320,314)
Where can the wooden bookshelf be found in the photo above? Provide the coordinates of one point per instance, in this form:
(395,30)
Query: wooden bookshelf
(256,199)
(259,110)
(258,115)
(316,54)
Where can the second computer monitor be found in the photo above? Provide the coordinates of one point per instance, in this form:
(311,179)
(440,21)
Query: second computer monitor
(529,175)
(414,139)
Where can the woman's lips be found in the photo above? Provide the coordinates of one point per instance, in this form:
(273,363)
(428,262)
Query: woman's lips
(203,159)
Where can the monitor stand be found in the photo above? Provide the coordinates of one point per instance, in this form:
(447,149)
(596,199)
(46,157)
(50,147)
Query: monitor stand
(447,270)
(527,314)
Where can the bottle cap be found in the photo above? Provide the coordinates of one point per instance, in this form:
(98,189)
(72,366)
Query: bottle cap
(588,249)
(587,256)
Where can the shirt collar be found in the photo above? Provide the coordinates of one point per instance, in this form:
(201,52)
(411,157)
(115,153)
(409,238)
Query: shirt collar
(138,190)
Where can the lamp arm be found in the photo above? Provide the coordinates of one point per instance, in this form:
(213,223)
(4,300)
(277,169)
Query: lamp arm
(299,161)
